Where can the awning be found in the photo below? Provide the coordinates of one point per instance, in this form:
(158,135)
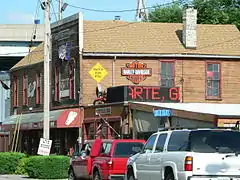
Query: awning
(64,118)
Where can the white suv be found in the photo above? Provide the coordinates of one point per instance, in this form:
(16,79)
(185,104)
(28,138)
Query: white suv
(199,154)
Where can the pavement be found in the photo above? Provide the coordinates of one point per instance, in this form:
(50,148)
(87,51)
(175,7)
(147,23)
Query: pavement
(16,177)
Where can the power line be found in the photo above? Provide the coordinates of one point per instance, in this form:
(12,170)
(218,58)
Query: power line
(115,11)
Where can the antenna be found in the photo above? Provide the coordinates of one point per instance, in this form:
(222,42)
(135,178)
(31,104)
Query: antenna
(141,12)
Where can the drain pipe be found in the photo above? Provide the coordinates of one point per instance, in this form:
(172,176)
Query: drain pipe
(113,71)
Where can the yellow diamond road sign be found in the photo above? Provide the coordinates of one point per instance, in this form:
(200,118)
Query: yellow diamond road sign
(98,72)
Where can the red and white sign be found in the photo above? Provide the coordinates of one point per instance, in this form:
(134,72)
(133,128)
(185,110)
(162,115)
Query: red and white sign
(69,118)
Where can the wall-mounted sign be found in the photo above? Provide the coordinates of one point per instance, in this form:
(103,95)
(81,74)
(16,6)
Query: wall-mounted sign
(162,113)
(136,71)
(143,94)
(31,89)
(98,72)
(64,51)
(103,111)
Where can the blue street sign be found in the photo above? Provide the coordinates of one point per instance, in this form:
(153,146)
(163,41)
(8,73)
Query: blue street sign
(162,113)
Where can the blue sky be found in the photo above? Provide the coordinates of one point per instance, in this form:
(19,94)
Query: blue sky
(23,11)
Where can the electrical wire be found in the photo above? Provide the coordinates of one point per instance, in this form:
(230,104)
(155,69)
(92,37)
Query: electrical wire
(116,11)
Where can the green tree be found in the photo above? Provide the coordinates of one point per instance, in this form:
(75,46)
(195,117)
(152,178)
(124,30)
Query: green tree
(169,14)
(209,12)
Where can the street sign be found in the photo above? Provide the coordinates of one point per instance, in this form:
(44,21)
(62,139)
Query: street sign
(44,147)
(162,113)
(98,72)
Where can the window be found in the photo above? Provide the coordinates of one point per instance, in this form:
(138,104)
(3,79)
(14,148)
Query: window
(212,141)
(179,141)
(71,82)
(150,143)
(160,143)
(56,84)
(167,74)
(213,81)
(126,149)
(106,148)
(15,91)
(25,92)
(38,90)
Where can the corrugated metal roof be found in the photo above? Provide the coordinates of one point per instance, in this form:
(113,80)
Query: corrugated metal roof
(205,108)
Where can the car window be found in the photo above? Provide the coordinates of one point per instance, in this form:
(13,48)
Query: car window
(106,148)
(150,143)
(126,149)
(211,141)
(160,143)
(179,141)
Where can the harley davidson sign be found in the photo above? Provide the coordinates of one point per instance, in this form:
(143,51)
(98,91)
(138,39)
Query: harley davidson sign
(136,71)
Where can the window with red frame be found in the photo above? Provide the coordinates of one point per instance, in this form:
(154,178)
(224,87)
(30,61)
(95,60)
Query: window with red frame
(25,92)
(56,84)
(15,91)
(38,88)
(167,74)
(71,81)
(213,80)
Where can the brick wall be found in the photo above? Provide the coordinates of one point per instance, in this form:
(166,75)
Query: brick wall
(193,71)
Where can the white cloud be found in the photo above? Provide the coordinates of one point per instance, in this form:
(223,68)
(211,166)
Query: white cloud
(20,18)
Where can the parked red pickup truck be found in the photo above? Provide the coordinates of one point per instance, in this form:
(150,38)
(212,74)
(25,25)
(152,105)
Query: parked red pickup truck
(103,159)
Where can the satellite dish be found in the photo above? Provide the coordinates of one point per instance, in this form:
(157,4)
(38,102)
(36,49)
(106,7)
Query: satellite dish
(98,90)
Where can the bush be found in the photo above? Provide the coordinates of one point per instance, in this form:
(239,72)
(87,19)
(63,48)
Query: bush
(9,162)
(47,167)
(21,169)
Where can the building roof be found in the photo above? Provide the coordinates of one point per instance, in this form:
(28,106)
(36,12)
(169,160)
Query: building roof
(151,38)
(158,38)
(205,108)
(21,32)
(34,57)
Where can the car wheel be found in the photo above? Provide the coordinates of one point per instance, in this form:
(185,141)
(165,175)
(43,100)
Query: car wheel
(169,176)
(96,176)
(130,177)
(71,175)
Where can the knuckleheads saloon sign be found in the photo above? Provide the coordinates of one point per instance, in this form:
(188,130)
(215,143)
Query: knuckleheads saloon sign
(136,71)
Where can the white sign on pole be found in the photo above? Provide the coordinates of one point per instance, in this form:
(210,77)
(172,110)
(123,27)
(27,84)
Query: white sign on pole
(44,147)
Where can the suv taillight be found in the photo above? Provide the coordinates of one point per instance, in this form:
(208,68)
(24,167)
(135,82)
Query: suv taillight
(188,164)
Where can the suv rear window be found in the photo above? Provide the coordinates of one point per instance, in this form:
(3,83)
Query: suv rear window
(211,141)
(126,149)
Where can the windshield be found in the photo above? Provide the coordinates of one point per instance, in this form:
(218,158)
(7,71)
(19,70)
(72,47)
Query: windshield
(126,149)
(211,141)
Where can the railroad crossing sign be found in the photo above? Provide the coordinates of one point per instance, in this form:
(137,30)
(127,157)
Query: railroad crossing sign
(98,72)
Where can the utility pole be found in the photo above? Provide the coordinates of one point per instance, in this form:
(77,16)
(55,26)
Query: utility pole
(47,45)
(60,6)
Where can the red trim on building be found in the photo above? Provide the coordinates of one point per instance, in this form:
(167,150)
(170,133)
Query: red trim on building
(15,91)
(56,98)
(219,98)
(38,90)
(71,81)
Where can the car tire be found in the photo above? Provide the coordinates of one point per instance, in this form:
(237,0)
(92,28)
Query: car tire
(96,176)
(71,175)
(130,176)
(169,176)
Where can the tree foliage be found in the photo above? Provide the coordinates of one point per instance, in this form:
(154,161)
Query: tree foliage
(209,12)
